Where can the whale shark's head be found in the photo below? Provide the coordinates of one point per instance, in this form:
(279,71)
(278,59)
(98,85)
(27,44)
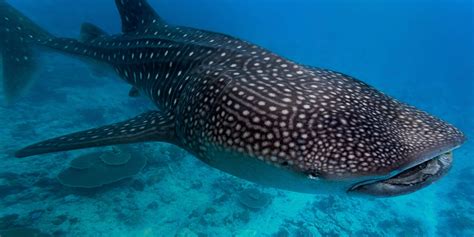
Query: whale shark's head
(381,146)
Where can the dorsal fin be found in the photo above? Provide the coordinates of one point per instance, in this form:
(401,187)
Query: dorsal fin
(90,31)
(136,14)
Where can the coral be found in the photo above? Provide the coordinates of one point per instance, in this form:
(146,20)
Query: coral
(71,198)
(152,205)
(455,223)
(246,233)
(94,172)
(367,233)
(196,184)
(10,184)
(59,220)
(167,197)
(227,184)
(22,232)
(6,190)
(130,214)
(8,221)
(282,232)
(402,226)
(254,199)
(154,178)
(116,156)
(210,210)
(83,162)
(36,214)
(243,216)
(303,232)
(221,198)
(328,204)
(164,155)
(186,233)
(74,220)
(138,185)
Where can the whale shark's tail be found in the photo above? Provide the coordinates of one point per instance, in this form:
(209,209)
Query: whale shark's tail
(22,34)
(18,61)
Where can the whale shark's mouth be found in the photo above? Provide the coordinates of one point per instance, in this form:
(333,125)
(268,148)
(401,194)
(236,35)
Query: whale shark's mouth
(409,180)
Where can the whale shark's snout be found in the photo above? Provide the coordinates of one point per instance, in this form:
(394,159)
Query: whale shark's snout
(423,145)
(410,180)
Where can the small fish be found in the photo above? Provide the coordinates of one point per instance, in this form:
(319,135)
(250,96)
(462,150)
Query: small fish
(241,108)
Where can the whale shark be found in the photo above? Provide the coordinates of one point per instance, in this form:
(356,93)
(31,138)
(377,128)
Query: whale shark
(241,108)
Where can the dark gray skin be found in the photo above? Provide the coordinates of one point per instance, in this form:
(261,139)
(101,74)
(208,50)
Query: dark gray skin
(243,109)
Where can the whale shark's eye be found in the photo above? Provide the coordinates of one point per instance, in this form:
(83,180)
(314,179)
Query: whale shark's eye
(314,175)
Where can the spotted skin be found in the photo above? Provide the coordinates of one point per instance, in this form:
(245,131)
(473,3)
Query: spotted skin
(246,110)
(148,126)
(18,61)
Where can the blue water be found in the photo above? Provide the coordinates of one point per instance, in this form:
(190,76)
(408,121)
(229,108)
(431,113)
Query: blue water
(420,52)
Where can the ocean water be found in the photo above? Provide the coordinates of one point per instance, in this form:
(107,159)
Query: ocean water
(420,52)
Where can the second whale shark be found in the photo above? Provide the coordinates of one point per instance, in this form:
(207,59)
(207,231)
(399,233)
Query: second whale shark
(241,108)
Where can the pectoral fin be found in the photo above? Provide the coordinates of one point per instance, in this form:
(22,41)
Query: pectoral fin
(150,126)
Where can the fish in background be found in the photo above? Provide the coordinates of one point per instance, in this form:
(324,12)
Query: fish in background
(241,108)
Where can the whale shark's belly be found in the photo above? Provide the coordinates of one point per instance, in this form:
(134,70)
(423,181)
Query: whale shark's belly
(263,173)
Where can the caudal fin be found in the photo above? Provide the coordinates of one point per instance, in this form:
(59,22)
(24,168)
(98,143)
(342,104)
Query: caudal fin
(18,62)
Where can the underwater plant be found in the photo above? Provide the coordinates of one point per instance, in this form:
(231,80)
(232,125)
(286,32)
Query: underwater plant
(254,199)
(96,169)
